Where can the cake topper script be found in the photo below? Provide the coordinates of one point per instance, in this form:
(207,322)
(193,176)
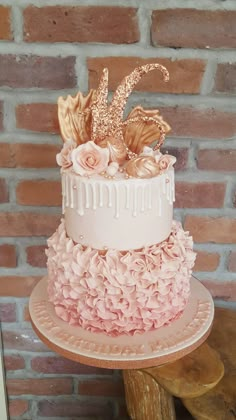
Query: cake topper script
(96,137)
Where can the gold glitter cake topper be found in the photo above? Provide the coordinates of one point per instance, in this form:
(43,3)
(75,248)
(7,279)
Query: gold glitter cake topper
(91,118)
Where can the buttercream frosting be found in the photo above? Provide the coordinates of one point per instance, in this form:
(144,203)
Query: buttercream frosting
(120,292)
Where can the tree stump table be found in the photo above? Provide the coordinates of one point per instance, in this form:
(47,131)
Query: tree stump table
(219,403)
(156,365)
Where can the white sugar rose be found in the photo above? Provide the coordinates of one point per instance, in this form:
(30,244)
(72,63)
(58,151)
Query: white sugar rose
(64,157)
(89,159)
(166,161)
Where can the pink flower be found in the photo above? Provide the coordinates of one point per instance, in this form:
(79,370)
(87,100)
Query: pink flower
(88,159)
(64,157)
(173,249)
(166,161)
(121,291)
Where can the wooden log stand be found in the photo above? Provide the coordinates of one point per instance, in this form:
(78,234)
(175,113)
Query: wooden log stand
(171,361)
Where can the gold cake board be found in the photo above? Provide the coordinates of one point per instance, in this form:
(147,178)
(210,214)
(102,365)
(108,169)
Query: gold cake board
(154,348)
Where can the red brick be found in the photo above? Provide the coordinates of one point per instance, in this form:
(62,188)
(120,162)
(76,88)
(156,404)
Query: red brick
(180,154)
(53,364)
(40,386)
(26,314)
(101,388)
(36,255)
(12,362)
(206,261)
(28,155)
(18,407)
(194,28)
(28,224)
(211,229)
(200,195)
(185,75)
(116,25)
(5,23)
(39,117)
(222,290)
(1,116)
(39,193)
(4,196)
(8,255)
(218,160)
(225,80)
(22,71)
(232,261)
(17,286)
(234,197)
(198,123)
(22,339)
(74,408)
(7,312)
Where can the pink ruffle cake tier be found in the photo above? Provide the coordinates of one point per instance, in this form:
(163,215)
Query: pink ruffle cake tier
(120,292)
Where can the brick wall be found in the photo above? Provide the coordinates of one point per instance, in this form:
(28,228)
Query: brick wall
(49,48)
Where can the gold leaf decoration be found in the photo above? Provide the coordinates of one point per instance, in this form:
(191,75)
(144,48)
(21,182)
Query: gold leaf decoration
(123,91)
(145,127)
(142,167)
(117,151)
(75,118)
(99,130)
(86,118)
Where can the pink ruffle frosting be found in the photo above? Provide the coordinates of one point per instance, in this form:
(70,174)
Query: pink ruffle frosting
(120,292)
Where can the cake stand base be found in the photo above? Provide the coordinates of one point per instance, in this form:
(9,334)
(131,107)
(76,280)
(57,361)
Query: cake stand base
(154,348)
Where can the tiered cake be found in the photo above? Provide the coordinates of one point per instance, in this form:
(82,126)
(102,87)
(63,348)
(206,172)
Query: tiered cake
(117,263)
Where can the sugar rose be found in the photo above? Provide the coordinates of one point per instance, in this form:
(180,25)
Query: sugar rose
(64,157)
(166,161)
(89,159)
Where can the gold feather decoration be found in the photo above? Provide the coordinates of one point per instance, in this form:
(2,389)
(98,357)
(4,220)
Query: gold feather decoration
(99,110)
(111,123)
(92,118)
(143,127)
(142,167)
(75,117)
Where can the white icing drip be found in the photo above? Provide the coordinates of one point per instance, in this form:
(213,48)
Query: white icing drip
(159,201)
(173,186)
(109,195)
(86,187)
(67,190)
(143,198)
(163,182)
(94,196)
(63,193)
(167,180)
(80,186)
(100,186)
(135,200)
(149,190)
(72,191)
(127,196)
(137,197)
(117,201)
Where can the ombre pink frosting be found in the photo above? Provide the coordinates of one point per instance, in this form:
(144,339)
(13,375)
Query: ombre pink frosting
(120,292)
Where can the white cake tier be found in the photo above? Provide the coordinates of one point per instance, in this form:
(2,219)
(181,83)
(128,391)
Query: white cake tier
(118,213)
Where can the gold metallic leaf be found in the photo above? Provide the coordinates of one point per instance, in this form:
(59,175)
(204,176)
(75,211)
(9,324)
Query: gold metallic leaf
(117,151)
(125,88)
(144,128)
(100,112)
(75,118)
(143,167)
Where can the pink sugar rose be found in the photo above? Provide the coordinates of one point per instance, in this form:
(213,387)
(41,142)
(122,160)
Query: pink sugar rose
(89,159)
(166,161)
(64,157)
